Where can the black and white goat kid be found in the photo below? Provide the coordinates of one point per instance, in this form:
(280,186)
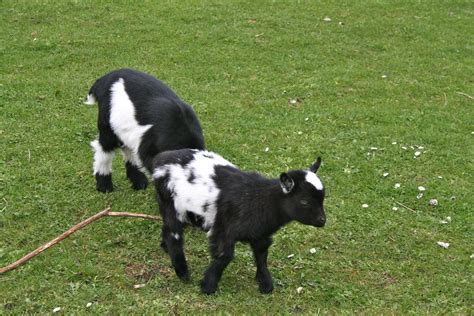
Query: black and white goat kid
(205,190)
(142,116)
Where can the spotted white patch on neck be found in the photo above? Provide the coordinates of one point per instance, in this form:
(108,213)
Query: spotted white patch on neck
(314,180)
(192,186)
(122,117)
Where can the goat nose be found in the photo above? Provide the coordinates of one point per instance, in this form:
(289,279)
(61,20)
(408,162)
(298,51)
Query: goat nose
(320,221)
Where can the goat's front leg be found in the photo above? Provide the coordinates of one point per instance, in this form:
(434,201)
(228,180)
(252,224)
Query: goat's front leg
(222,255)
(260,253)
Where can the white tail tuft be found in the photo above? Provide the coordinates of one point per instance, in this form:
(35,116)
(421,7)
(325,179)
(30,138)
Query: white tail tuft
(90,100)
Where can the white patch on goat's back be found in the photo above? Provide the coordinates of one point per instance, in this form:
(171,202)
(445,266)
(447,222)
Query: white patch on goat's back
(102,159)
(90,100)
(198,196)
(122,117)
(312,178)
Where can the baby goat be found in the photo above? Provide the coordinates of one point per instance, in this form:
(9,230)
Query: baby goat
(205,190)
(142,116)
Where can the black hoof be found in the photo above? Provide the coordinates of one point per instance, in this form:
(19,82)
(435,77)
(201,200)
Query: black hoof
(140,185)
(208,288)
(104,183)
(138,178)
(265,288)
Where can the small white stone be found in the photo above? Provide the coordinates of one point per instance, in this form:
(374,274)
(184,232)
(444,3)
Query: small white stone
(299,290)
(443,244)
(417,153)
(404,148)
(327,19)
(394,143)
(293,101)
(384,76)
(139,286)
(433,202)
(176,236)
(440,177)
(365,205)
(448,218)
(373,148)
(312,250)
(56,309)
(306,119)
(385,174)
(443,221)
(421,147)
(471,256)
(267,149)
(394,208)
(419,196)
(397,185)
(291,256)
(88,304)
(420,188)
(300,133)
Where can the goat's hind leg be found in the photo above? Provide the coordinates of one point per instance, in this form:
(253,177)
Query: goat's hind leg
(172,243)
(134,174)
(103,148)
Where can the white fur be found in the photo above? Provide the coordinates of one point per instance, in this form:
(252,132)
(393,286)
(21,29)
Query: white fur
(191,197)
(90,100)
(132,157)
(314,180)
(122,117)
(102,159)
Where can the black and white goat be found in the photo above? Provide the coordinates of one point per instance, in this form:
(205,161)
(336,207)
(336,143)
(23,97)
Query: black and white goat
(205,190)
(142,116)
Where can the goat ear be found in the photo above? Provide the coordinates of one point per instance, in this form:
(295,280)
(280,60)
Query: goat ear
(286,182)
(314,168)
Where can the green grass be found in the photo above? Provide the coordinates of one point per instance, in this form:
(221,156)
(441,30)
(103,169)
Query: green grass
(391,71)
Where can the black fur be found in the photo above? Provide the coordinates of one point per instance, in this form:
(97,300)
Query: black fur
(250,209)
(174,123)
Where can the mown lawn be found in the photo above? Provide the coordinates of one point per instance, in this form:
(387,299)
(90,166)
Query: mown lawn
(376,83)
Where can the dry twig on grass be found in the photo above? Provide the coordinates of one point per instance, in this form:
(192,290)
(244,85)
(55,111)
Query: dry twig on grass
(71,231)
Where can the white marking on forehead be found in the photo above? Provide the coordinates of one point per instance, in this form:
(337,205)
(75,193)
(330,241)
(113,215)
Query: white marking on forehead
(314,180)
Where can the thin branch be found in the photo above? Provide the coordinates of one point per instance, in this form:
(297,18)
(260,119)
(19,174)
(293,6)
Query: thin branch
(403,205)
(466,95)
(138,215)
(71,231)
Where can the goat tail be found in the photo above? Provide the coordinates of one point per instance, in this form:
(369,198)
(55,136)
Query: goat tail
(91,98)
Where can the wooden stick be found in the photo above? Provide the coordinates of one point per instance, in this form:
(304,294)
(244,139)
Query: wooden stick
(71,231)
(138,215)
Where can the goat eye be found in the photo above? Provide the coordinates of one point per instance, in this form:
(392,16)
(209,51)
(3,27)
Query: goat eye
(304,202)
